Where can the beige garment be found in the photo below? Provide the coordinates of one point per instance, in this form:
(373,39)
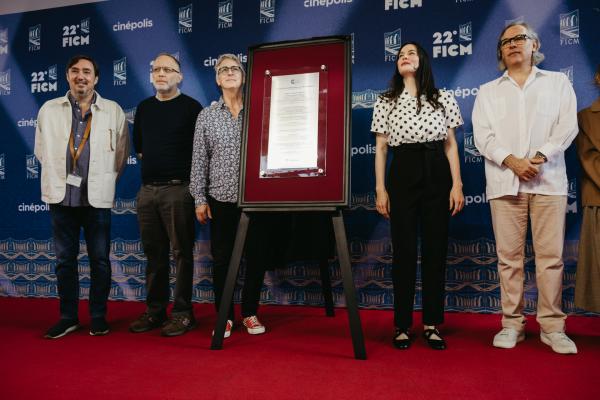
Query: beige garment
(509,216)
(587,284)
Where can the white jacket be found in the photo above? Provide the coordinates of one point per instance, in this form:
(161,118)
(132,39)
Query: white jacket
(109,149)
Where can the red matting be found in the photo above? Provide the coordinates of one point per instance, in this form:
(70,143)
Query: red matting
(330,188)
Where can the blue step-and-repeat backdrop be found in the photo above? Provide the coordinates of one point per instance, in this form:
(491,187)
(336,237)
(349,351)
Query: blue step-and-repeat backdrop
(125,35)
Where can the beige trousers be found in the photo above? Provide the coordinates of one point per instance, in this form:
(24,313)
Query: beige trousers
(509,217)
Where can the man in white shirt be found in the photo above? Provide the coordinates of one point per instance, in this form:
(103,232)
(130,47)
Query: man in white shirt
(522,124)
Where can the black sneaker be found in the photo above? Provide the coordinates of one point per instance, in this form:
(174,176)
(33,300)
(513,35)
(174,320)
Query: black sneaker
(178,325)
(99,327)
(63,327)
(146,322)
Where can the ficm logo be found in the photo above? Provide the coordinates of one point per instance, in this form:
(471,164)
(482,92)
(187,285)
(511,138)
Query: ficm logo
(185,19)
(5,83)
(572,197)
(446,45)
(471,153)
(76,35)
(32,166)
(401,4)
(35,37)
(45,81)
(392,41)
(568,71)
(120,72)
(2,167)
(225,17)
(267,11)
(3,41)
(569,28)
(365,99)
(130,115)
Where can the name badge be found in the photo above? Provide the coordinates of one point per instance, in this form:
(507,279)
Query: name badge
(74,180)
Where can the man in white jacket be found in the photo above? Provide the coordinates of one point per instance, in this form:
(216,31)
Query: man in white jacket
(522,124)
(82,143)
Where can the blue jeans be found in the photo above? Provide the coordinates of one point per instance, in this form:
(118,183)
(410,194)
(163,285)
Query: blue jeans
(66,225)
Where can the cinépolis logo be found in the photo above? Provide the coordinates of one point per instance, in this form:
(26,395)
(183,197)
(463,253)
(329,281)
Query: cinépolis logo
(453,43)
(185,19)
(392,42)
(33,207)
(325,3)
(267,11)
(120,72)
(146,23)
(225,17)
(35,37)
(77,34)
(45,81)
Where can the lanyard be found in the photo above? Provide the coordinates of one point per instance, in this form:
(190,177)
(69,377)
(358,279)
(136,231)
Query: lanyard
(75,155)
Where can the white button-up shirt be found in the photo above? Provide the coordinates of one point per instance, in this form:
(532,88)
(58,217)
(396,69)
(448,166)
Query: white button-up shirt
(508,119)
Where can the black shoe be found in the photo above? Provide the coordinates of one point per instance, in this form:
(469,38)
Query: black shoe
(63,327)
(99,327)
(402,344)
(178,325)
(436,344)
(146,322)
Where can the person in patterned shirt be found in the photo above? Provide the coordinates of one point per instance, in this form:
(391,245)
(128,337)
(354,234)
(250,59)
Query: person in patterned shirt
(214,185)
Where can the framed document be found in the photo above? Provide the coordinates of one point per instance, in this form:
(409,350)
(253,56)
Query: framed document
(295,146)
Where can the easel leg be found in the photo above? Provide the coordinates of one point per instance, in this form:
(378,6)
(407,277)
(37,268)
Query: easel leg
(344,257)
(326,285)
(234,267)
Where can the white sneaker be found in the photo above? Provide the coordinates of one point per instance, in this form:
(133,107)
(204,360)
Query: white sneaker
(508,338)
(559,342)
(253,325)
(228,327)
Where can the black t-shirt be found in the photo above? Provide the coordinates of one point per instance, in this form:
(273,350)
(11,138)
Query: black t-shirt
(163,132)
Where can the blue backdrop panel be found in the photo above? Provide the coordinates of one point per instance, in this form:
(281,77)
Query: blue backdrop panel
(124,36)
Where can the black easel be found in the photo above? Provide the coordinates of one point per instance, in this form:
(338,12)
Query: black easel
(344,260)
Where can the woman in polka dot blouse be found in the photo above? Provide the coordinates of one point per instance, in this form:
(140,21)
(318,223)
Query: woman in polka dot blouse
(416,122)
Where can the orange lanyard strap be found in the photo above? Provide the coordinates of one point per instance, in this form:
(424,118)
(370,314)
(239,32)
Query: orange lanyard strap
(75,155)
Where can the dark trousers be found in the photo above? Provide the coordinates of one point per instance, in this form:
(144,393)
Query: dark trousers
(419,185)
(66,225)
(223,228)
(167,222)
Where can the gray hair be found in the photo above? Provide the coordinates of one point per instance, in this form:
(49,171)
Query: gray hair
(229,56)
(537,56)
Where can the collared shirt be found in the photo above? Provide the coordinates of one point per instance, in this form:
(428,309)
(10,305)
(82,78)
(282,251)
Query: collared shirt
(508,119)
(398,119)
(77,196)
(216,154)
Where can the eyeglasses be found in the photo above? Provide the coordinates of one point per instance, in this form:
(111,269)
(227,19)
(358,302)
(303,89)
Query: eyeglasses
(518,40)
(234,69)
(167,70)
